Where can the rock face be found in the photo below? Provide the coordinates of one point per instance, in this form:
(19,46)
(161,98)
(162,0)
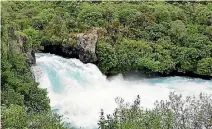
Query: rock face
(29,52)
(31,57)
(66,51)
(86,46)
(84,49)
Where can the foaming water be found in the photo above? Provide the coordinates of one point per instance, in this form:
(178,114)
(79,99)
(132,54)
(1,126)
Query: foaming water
(78,91)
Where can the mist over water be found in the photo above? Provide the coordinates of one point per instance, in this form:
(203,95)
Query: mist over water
(79,91)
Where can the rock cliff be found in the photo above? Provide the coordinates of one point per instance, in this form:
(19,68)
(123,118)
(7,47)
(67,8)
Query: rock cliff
(86,46)
(23,46)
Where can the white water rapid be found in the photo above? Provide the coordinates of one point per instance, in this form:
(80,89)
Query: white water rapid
(79,91)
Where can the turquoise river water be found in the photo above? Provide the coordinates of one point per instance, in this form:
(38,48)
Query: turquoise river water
(79,91)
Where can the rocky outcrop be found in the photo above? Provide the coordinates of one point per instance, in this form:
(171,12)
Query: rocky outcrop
(29,52)
(86,46)
(30,55)
(66,50)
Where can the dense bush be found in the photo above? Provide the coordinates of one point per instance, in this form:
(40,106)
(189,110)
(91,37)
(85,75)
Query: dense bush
(106,57)
(135,55)
(204,66)
(15,117)
(179,33)
(176,113)
(23,104)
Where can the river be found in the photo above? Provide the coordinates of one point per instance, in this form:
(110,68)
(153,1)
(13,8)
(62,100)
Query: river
(79,91)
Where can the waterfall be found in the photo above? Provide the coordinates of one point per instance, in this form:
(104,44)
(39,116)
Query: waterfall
(79,91)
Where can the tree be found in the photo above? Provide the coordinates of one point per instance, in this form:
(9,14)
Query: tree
(16,117)
(204,66)
(177,30)
(106,57)
(162,13)
(177,112)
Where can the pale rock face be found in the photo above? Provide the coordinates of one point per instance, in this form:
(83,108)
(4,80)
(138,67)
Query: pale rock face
(31,57)
(29,53)
(86,45)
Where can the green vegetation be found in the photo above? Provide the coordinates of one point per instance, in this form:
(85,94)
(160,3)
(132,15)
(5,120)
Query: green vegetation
(176,113)
(23,104)
(153,37)
(16,117)
(156,37)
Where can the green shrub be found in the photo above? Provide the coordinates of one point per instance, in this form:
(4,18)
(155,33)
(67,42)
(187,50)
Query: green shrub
(176,113)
